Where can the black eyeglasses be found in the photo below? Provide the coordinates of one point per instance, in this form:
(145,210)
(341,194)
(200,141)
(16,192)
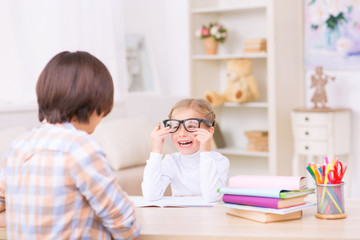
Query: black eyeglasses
(189,124)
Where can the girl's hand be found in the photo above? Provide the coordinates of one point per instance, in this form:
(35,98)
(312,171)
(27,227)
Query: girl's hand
(204,137)
(158,136)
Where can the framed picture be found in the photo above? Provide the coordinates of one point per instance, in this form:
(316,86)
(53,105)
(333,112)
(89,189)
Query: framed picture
(140,69)
(332,34)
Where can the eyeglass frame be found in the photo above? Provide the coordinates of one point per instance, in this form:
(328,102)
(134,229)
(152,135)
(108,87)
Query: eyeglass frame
(200,120)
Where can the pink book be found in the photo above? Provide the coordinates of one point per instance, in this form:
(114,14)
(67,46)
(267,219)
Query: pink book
(267,182)
(263,201)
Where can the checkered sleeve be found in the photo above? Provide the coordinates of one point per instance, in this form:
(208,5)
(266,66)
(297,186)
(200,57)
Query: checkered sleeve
(97,183)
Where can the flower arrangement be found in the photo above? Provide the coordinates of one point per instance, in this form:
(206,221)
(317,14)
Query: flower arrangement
(214,30)
(338,22)
(328,14)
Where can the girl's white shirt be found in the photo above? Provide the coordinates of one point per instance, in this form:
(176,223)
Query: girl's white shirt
(200,173)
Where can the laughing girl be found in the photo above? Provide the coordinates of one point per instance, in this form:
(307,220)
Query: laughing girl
(194,170)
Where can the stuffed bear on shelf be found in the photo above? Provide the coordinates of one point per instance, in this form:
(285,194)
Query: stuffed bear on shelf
(241,86)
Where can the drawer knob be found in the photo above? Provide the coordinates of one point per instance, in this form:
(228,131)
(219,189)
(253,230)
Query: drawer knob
(307,133)
(306,147)
(306,119)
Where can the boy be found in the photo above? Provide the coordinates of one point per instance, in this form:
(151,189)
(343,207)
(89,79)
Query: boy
(54,180)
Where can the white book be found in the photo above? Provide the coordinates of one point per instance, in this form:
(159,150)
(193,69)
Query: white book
(192,201)
(270,210)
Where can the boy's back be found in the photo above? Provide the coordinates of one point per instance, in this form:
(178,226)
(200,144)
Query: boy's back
(55,182)
(44,169)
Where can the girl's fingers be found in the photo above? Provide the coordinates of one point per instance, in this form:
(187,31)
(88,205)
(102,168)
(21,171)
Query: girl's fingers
(200,131)
(162,133)
(203,135)
(156,129)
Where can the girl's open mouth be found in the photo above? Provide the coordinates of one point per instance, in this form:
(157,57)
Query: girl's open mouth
(185,143)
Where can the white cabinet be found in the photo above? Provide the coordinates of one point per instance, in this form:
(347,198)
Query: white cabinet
(320,133)
(277,71)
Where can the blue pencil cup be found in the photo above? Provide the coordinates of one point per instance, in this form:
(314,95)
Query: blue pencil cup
(330,201)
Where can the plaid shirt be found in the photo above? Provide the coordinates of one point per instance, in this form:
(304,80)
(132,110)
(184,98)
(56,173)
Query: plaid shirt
(56,184)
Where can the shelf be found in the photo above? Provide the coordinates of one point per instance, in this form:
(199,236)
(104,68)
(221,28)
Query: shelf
(248,105)
(230,56)
(229,9)
(252,20)
(239,152)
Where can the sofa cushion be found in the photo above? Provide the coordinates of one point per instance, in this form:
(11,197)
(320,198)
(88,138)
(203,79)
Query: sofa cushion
(127,141)
(130,180)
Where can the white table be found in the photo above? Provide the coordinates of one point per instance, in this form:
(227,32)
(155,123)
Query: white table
(212,223)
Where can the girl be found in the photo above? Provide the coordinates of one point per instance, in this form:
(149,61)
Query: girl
(195,169)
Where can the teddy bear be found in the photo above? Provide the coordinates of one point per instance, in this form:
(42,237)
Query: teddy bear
(241,86)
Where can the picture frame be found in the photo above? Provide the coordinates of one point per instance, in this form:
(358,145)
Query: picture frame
(332,34)
(141,74)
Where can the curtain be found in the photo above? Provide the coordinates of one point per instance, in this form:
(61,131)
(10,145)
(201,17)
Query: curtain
(32,32)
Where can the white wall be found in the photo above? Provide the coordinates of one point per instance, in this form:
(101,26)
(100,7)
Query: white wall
(165,26)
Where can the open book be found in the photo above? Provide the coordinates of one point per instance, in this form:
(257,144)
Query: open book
(193,201)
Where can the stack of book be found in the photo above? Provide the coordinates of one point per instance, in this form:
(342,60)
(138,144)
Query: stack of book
(266,198)
(257,141)
(254,45)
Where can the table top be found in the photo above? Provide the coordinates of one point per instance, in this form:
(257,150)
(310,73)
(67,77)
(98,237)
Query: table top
(212,223)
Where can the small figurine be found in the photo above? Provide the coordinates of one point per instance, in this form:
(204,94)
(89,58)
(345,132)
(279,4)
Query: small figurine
(318,81)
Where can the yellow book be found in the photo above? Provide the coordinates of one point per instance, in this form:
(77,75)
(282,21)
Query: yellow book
(255,41)
(264,217)
(256,133)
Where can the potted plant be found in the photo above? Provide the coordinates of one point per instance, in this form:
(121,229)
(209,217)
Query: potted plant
(213,33)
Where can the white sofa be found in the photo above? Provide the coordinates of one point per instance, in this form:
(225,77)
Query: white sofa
(125,141)
(127,144)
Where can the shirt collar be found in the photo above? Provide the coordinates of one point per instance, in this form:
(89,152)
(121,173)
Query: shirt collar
(66,125)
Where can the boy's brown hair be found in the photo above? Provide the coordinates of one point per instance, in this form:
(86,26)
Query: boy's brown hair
(74,84)
(200,105)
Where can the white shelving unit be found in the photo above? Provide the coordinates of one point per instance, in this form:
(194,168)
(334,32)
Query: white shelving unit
(248,20)
(226,56)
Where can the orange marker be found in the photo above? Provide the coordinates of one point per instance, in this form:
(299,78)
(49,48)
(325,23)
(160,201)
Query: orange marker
(159,127)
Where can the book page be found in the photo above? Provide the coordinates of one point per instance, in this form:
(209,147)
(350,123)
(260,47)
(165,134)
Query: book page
(270,210)
(259,192)
(267,182)
(274,193)
(193,201)
(140,201)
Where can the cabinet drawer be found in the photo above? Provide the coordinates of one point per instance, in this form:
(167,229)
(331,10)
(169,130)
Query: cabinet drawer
(310,119)
(304,133)
(311,147)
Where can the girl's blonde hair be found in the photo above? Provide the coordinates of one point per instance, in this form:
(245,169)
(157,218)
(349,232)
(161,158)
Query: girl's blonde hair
(199,105)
